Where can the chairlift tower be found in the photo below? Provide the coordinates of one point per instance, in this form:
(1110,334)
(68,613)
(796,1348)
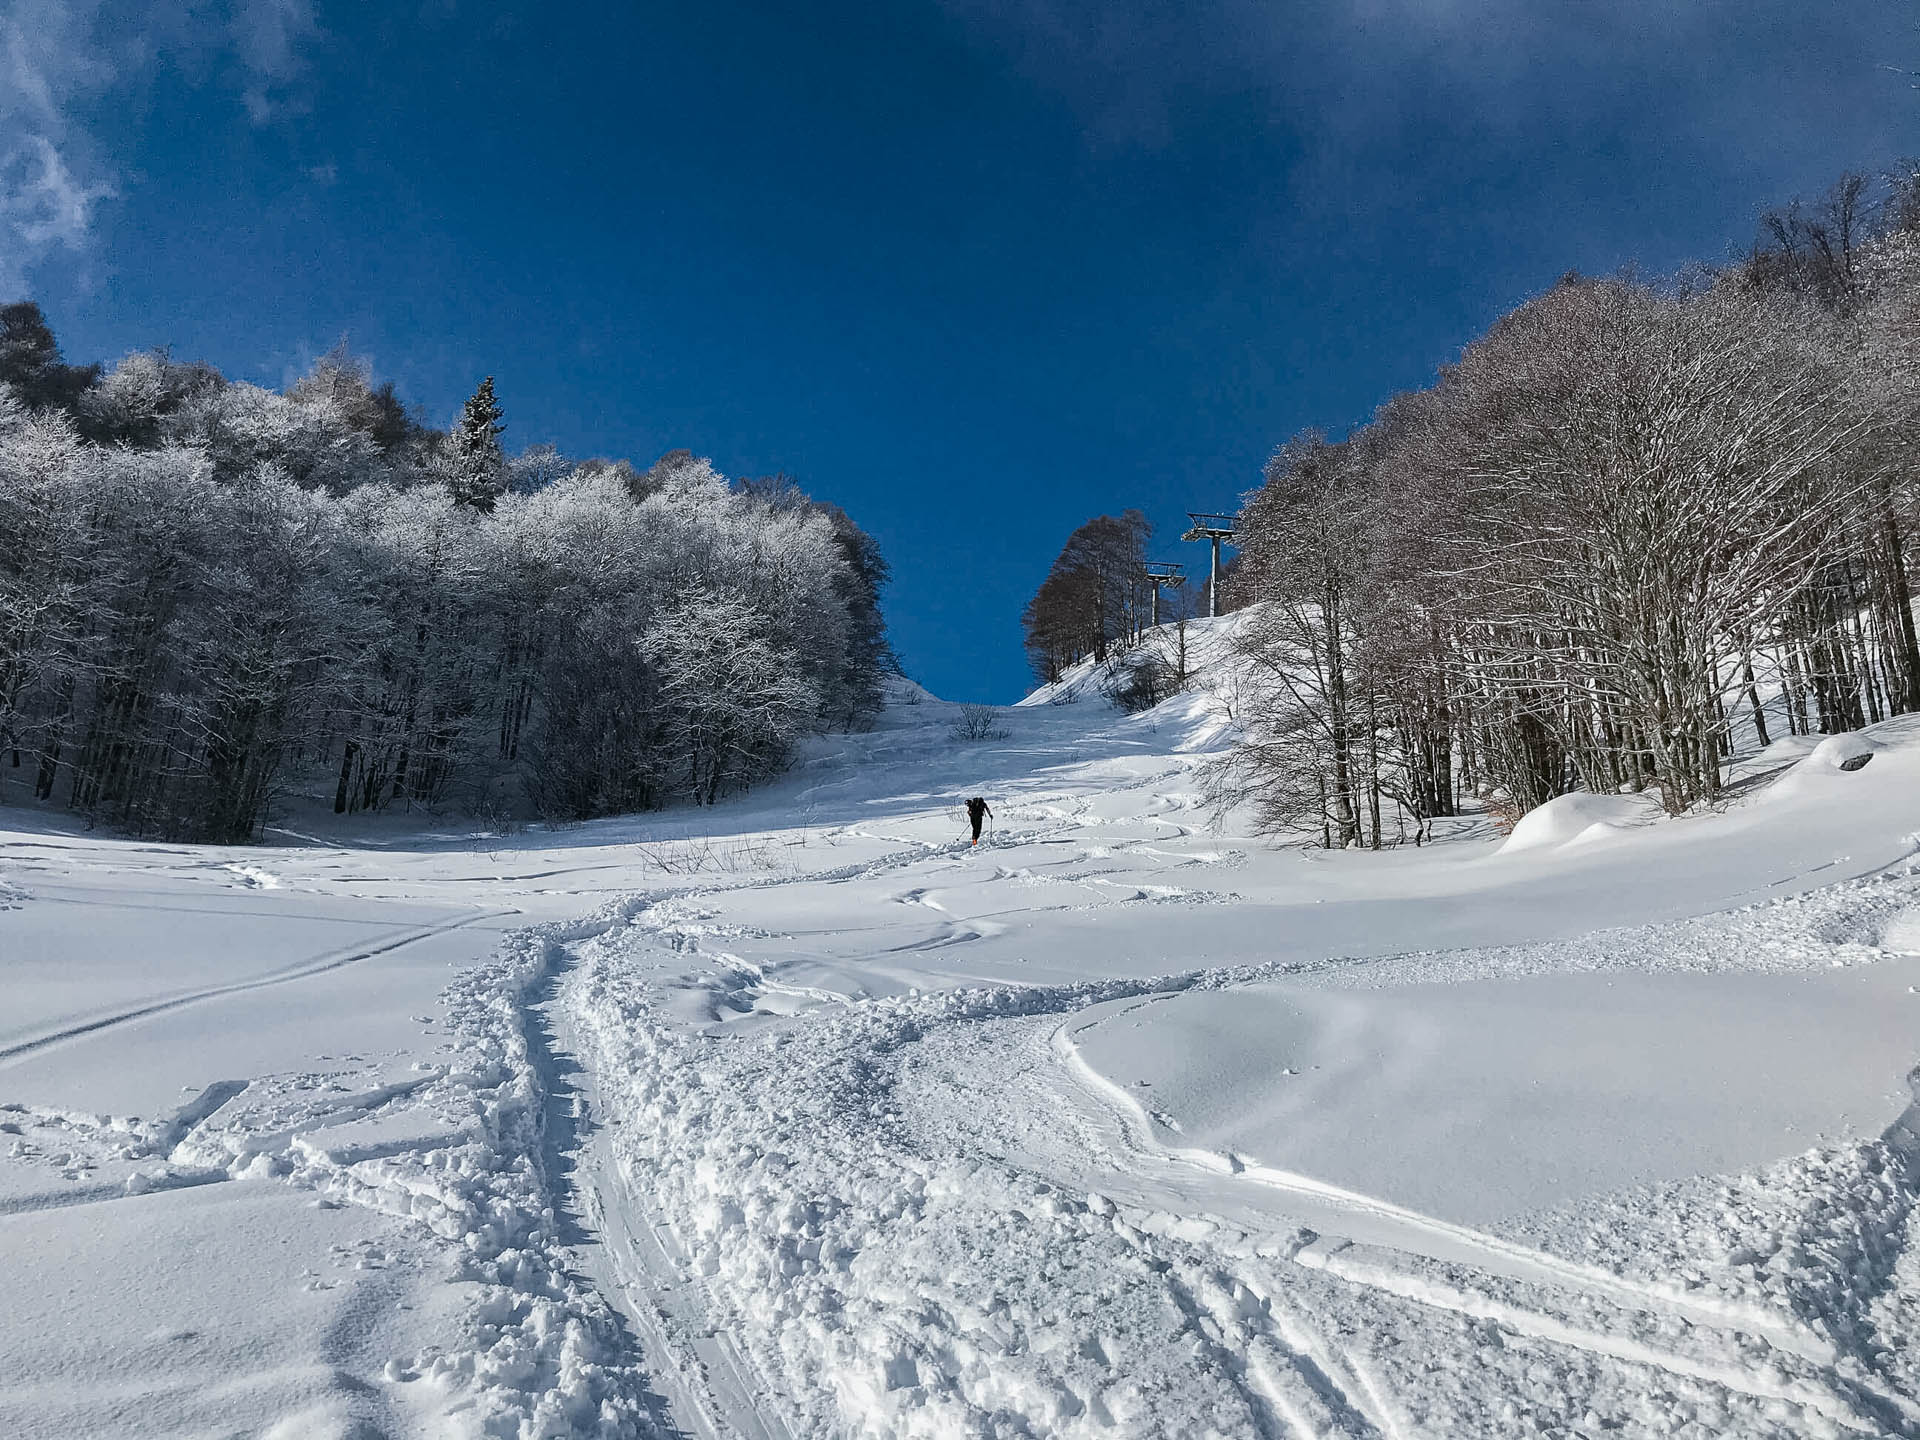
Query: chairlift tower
(1164,572)
(1215,528)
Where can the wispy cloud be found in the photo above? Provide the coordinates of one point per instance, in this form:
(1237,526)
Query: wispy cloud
(1138,71)
(42,208)
(267,36)
(57,57)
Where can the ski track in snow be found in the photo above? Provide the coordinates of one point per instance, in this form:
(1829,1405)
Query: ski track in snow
(456,1151)
(806,1205)
(307,969)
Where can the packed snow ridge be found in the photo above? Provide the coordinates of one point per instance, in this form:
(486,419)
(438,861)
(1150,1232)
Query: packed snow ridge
(806,1117)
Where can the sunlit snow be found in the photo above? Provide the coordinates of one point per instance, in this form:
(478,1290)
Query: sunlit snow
(801,1116)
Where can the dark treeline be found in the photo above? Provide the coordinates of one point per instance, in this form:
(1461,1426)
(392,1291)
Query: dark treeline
(1633,519)
(210,592)
(1094,601)
(1097,604)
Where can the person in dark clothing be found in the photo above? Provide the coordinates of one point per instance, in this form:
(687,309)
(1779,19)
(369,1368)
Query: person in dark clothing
(976,812)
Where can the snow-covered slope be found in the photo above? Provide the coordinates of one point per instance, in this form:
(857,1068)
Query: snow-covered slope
(803,1116)
(1207,657)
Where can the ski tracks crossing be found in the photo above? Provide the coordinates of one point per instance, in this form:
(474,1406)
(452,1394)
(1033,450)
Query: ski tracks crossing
(1288,1293)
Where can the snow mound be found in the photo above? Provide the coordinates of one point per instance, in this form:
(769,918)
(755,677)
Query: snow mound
(1902,932)
(1849,751)
(1578,819)
(1837,759)
(899,690)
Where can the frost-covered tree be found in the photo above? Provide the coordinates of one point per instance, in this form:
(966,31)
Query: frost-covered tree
(739,698)
(13,411)
(130,404)
(212,595)
(535,468)
(342,384)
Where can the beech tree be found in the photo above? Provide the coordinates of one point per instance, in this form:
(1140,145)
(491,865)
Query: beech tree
(1094,601)
(738,698)
(1633,525)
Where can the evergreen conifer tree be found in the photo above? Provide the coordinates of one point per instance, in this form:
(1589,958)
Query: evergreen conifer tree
(477,469)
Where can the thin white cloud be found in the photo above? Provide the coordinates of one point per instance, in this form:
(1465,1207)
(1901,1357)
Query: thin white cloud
(42,208)
(48,54)
(59,56)
(267,35)
(1137,71)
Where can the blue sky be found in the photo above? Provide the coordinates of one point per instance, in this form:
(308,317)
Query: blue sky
(974,269)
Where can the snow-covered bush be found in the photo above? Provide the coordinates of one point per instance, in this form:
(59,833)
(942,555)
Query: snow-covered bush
(978,722)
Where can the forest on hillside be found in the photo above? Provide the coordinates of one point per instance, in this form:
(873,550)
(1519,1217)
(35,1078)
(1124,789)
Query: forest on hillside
(1635,518)
(213,594)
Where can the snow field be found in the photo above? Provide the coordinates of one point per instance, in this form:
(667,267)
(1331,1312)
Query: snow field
(1825,1239)
(841,1130)
(544,1357)
(457,1152)
(881,1290)
(907,1215)
(891,1271)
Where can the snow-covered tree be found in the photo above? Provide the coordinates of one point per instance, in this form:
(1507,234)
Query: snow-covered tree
(131,403)
(211,594)
(738,698)
(475,466)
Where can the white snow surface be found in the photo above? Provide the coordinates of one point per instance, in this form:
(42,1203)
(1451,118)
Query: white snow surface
(801,1116)
(1579,819)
